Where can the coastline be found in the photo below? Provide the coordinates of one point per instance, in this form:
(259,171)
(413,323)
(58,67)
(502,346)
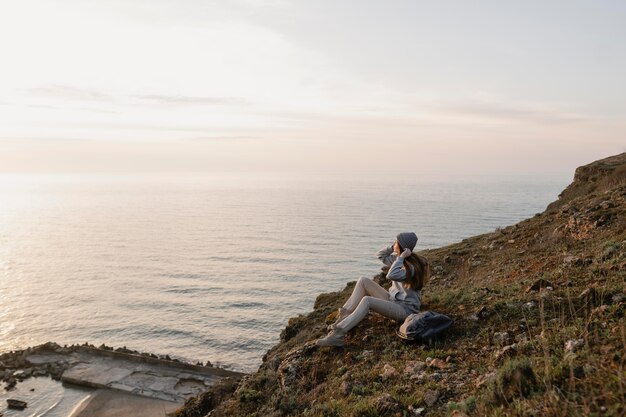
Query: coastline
(123,382)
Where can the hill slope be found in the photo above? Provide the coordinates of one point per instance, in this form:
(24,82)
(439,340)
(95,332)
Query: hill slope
(539,328)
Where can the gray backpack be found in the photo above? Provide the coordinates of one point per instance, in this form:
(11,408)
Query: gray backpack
(423,326)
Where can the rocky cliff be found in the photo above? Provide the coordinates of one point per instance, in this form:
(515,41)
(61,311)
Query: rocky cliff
(539,328)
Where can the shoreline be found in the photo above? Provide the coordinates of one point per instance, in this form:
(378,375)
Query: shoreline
(122,381)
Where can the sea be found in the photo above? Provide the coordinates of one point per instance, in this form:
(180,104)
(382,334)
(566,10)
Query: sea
(210,267)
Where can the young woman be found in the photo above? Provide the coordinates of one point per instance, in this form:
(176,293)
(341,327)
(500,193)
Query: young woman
(408,272)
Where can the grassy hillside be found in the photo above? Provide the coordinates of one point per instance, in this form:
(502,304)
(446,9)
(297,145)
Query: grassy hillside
(539,328)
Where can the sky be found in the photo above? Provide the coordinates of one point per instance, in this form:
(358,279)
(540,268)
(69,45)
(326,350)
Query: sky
(403,88)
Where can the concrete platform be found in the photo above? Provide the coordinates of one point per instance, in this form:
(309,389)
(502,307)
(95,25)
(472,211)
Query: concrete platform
(137,375)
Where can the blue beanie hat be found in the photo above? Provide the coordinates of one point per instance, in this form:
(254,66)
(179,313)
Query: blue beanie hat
(407,240)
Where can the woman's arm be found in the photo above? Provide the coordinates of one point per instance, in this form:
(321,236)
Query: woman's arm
(396,273)
(386,255)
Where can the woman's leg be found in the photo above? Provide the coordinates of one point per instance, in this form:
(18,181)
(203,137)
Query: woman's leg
(366,294)
(386,308)
(365,286)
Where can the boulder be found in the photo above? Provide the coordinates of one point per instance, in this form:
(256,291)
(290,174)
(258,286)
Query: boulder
(388,372)
(16,404)
(431,397)
(415,368)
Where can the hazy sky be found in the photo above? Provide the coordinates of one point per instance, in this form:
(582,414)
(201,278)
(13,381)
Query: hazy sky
(401,87)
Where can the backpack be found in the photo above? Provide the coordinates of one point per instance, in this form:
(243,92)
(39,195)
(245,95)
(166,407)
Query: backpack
(423,326)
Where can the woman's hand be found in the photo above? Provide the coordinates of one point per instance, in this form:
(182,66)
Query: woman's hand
(407,252)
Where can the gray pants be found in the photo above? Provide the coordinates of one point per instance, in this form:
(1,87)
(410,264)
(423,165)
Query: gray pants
(366,296)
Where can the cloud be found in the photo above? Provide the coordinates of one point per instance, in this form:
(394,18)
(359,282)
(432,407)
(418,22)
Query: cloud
(210,138)
(70,93)
(189,100)
(527,113)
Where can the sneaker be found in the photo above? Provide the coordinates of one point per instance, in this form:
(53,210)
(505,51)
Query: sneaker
(334,338)
(342,314)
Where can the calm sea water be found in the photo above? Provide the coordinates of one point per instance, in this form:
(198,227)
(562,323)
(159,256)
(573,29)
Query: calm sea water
(210,267)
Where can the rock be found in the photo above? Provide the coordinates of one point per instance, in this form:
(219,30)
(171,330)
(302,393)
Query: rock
(55,370)
(436,376)
(502,338)
(48,346)
(345,388)
(484,379)
(522,337)
(386,404)
(419,377)
(436,363)
(539,284)
(572,260)
(618,298)
(289,368)
(605,205)
(10,384)
(431,397)
(589,297)
(414,368)
(417,411)
(546,294)
(438,269)
(16,404)
(530,305)
(481,314)
(506,351)
(40,371)
(574,344)
(388,372)
(366,354)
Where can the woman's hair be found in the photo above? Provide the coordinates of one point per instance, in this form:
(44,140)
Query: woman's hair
(420,268)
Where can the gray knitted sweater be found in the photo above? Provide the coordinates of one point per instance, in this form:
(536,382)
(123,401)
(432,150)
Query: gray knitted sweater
(410,298)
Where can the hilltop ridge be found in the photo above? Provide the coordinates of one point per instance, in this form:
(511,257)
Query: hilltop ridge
(539,330)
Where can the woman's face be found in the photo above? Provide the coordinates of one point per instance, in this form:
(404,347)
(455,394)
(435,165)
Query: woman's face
(396,247)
